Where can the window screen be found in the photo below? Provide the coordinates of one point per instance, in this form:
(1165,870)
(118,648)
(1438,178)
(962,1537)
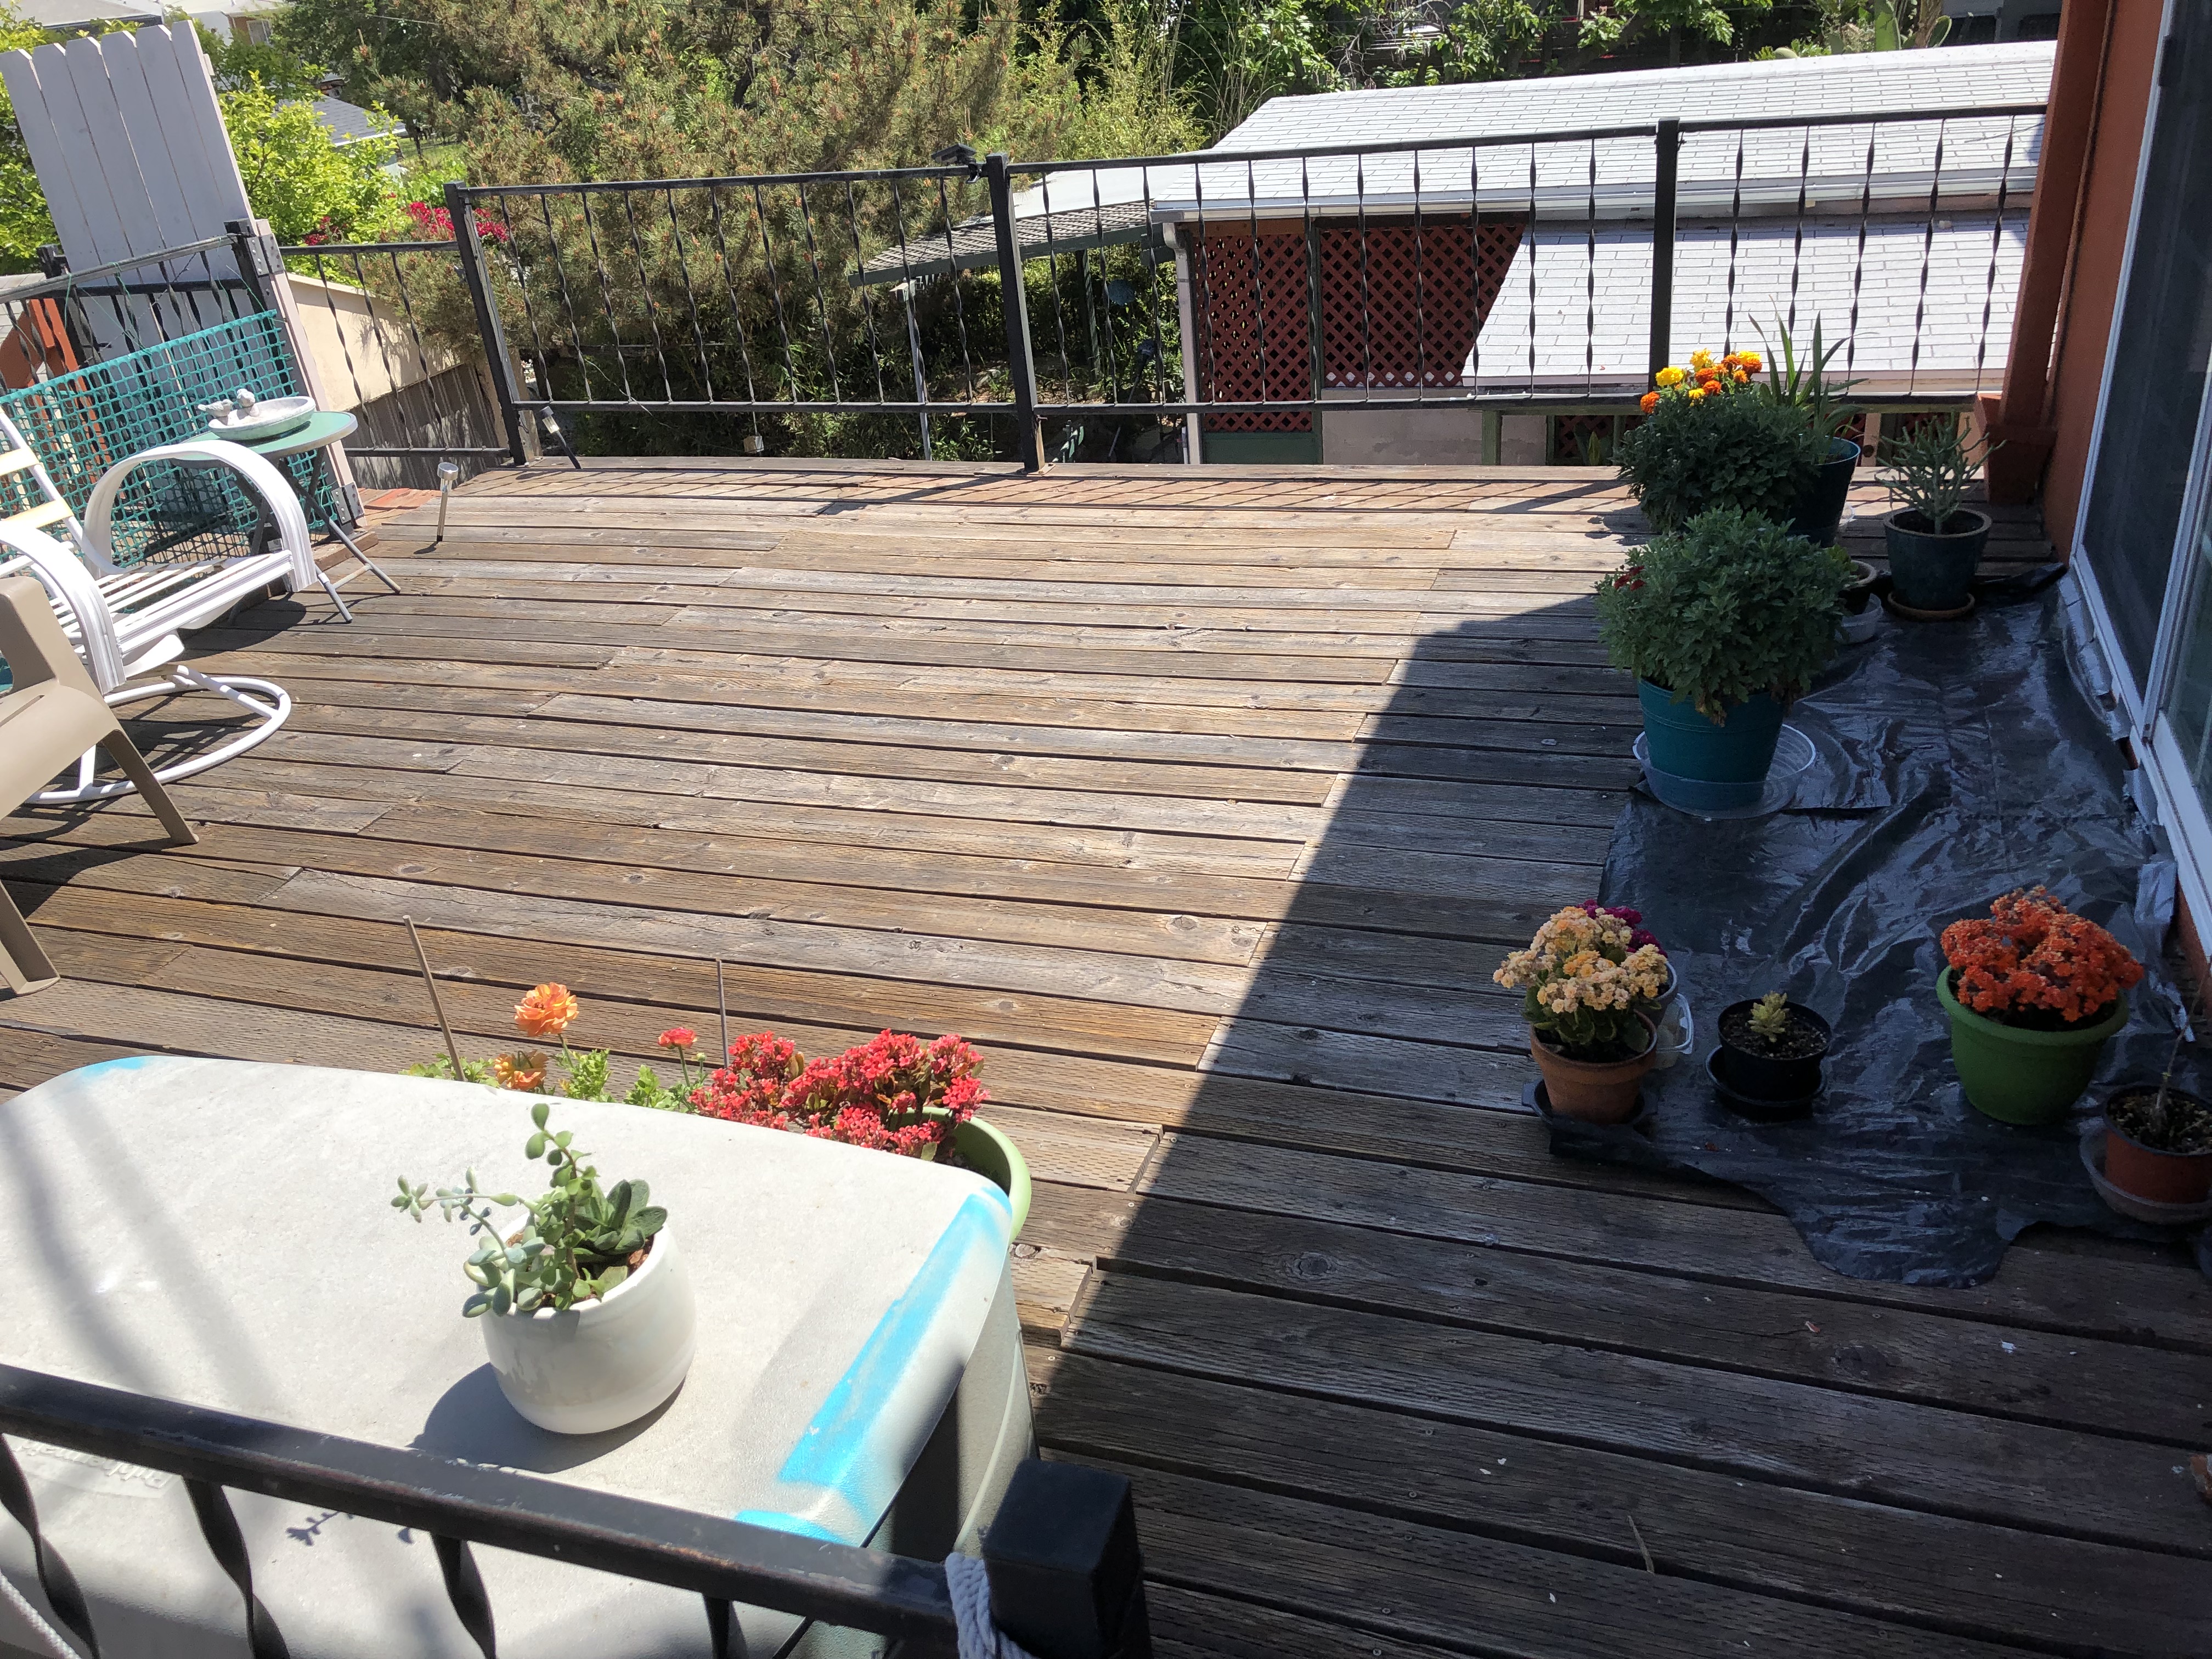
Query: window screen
(2159,363)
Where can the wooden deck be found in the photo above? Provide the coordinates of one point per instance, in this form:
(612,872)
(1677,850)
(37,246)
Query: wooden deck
(1206,803)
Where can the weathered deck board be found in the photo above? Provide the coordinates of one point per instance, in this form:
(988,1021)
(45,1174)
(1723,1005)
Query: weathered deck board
(1207,805)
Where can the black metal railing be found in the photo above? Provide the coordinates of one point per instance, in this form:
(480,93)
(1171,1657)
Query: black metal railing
(392,331)
(1065,1576)
(1179,300)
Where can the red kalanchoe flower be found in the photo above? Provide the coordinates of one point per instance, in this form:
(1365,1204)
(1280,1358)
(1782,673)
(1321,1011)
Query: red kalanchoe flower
(2032,960)
(893,1093)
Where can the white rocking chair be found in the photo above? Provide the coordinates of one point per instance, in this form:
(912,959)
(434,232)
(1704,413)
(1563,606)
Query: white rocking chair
(124,621)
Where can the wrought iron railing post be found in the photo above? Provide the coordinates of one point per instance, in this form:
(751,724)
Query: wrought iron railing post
(1021,366)
(470,248)
(1662,241)
(1067,1579)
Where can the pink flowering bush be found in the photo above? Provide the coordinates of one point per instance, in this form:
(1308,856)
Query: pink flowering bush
(894,1093)
(438,221)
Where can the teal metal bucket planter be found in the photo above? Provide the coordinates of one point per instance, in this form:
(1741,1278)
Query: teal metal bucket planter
(1731,755)
(1818,513)
(2022,1077)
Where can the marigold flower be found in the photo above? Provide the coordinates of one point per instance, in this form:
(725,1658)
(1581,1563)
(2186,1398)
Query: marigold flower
(547,1012)
(1750,361)
(1696,394)
(1648,402)
(678,1037)
(1701,359)
(1670,376)
(1742,378)
(523,1073)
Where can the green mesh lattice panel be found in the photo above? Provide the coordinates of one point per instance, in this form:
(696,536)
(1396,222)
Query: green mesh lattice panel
(81,424)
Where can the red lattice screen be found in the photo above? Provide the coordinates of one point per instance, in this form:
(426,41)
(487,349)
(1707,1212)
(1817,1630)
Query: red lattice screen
(1424,290)
(1405,316)
(1256,341)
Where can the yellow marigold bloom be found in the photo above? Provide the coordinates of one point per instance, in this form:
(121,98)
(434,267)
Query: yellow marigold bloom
(523,1073)
(1696,394)
(548,1011)
(1750,360)
(1670,376)
(1701,358)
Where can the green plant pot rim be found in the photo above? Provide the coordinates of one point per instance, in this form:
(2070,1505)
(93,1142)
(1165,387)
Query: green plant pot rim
(2081,1033)
(988,1151)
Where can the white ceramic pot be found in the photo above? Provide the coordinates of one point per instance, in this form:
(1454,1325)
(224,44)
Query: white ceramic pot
(604,1362)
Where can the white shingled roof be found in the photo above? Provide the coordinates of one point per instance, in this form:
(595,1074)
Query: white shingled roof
(1906,236)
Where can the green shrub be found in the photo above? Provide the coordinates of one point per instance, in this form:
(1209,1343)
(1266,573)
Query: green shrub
(1723,609)
(1732,451)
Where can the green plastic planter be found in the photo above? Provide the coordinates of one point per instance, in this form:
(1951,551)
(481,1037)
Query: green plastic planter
(984,1148)
(2022,1077)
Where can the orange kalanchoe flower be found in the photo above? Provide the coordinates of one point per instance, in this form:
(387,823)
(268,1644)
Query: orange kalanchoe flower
(523,1073)
(2033,961)
(547,1012)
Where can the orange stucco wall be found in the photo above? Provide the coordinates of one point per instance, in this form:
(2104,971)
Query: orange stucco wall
(2094,283)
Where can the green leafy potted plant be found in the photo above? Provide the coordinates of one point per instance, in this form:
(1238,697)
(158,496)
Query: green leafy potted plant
(1770,1052)
(1934,544)
(1723,623)
(587,1317)
(1801,386)
(2033,992)
(1709,439)
(1585,980)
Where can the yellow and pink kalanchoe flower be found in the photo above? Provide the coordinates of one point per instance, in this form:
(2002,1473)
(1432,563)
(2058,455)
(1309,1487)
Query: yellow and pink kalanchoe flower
(1584,960)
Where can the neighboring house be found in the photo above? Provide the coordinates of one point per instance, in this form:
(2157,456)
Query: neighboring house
(241,20)
(1978,22)
(77,16)
(2104,412)
(1908,242)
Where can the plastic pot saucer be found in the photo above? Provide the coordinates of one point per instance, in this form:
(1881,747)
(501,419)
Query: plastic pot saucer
(1534,1098)
(1793,753)
(2136,1209)
(1751,1106)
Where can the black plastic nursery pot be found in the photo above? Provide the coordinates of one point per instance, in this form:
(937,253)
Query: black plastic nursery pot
(1859,591)
(1750,1071)
(1817,512)
(1930,572)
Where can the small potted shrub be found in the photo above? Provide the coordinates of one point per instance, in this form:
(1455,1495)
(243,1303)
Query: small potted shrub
(1801,385)
(1723,623)
(1934,544)
(2033,992)
(2158,1139)
(1709,438)
(2158,1144)
(1771,1051)
(1585,981)
(587,1316)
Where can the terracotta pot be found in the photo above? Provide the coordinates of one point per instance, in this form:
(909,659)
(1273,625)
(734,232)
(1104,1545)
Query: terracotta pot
(1596,1092)
(2147,1173)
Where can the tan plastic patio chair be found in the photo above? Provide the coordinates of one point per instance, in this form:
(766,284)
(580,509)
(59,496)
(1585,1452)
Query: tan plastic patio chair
(51,715)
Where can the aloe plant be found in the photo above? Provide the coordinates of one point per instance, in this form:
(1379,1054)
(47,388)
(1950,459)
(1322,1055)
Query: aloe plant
(1802,383)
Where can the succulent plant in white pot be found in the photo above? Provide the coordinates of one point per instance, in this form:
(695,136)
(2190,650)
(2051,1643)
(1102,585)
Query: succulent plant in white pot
(587,1316)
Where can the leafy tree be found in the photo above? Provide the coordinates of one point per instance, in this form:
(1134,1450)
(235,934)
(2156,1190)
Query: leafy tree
(309,187)
(25,225)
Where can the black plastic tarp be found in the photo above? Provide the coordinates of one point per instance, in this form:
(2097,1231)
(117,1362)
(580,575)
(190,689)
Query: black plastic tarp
(1956,761)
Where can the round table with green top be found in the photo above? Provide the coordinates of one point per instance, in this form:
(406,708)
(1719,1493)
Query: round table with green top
(315,435)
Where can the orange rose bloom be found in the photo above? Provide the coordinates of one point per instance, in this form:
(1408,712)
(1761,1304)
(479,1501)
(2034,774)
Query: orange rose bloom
(523,1073)
(547,1012)
(1648,402)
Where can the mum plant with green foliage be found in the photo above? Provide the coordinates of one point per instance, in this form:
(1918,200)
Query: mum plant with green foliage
(1723,609)
(1710,437)
(577,1242)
